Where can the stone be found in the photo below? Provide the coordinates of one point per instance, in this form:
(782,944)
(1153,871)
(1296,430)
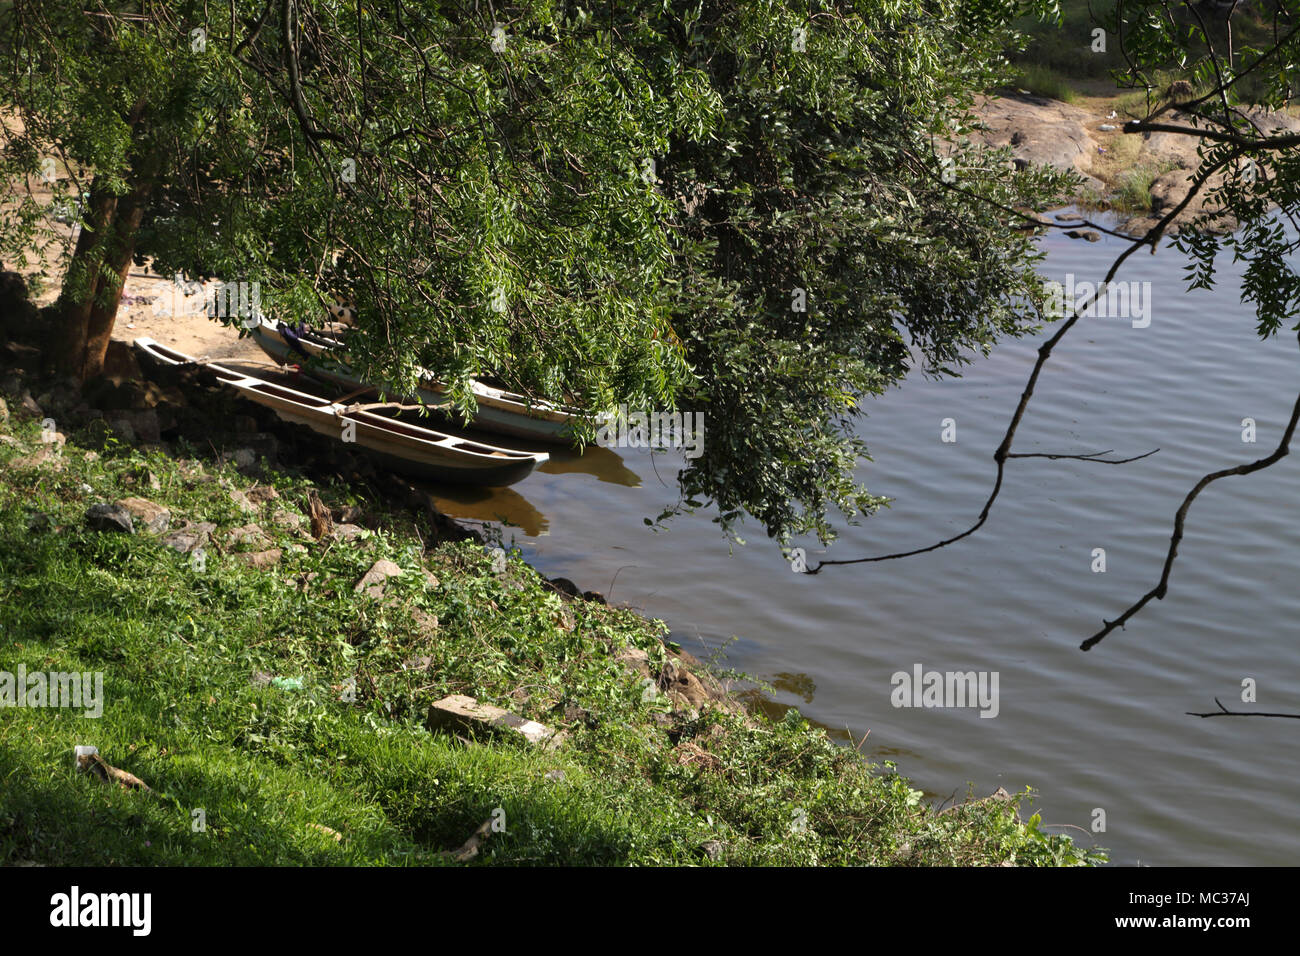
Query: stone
(261,494)
(635,660)
(563,586)
(289,521)
(249,534)
(459,712)
(241,502)
(426,622)
(155,518)
(683,688)
(261,560)
(45,455)
(348,532)
(106,517)
(186,539)
(4,411)
(136,425)
(372,582)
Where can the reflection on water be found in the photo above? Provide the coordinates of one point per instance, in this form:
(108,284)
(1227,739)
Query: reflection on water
(503,506)
(601,463)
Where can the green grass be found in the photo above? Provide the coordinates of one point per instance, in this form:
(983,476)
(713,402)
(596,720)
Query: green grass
(1045,81)
(178,647)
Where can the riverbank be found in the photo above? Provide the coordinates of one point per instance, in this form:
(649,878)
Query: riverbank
(274,624)
(1138,176)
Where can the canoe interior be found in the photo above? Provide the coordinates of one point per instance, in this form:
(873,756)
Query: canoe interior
(401,445)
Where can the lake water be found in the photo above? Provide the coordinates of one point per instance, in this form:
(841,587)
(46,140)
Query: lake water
(1102,730)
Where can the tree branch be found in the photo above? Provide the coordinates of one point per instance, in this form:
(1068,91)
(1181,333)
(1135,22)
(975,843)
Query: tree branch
(1224,712)
(1158,592)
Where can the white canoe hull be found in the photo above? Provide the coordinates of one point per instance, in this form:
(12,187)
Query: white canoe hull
(500,412)
(404,447)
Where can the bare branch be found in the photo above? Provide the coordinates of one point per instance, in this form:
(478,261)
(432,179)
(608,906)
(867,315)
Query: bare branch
(1158,592)
(1224,712)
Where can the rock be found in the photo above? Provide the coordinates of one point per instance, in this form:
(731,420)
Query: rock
(635,660)
(372,582)
(249,534)
(242,503)
(245,458)
(459,712)
(713,850)
(155,518)
(136,425)
(261,559)
(106,517)
(426,622)
(186,539)
(261,494)
(594,597)
(1040,132)
(1090,234)
(348,532)
(51,437)
(25,357)
(45,455)
(690,688)
(120,364)
(349,515)
(4,411)
(30,406)
(563,586)
(289,521)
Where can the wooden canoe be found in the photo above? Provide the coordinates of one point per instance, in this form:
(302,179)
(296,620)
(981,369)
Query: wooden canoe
(399,445)
(499,411)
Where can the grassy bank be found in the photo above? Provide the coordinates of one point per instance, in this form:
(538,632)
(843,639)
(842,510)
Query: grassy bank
(286,713)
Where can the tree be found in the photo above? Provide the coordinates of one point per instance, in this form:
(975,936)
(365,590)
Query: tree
(766,211)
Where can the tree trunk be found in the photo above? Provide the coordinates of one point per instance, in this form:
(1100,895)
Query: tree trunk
(81,282)
(92,286)
(103,309)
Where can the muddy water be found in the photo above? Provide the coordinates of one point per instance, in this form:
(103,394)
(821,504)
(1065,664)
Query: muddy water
(1102,731)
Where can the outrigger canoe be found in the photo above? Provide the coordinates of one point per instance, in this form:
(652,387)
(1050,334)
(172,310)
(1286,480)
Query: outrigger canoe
(499,411)
(401,446)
